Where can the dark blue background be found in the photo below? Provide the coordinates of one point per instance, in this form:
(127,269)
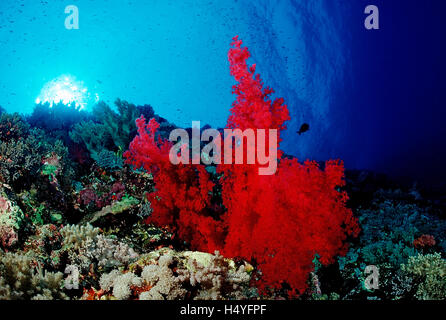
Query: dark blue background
(396,108)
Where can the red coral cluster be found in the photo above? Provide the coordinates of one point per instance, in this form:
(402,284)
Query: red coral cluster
(182,195)
(425,240)
(279,221)
(253,108)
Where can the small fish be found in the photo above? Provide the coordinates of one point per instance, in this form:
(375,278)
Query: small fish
(303,128)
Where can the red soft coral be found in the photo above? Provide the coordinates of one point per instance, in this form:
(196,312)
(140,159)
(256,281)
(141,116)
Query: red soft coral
(182,193)
(253,108)
(280,221)
(283,221)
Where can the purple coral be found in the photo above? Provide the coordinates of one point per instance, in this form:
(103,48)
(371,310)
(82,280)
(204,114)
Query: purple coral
(87,196)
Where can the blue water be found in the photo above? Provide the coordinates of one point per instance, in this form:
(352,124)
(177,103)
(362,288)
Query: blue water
(373,98)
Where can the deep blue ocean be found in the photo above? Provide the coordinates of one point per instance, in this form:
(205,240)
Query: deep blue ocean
(374,98)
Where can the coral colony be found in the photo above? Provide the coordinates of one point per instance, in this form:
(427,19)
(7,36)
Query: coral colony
(115,203)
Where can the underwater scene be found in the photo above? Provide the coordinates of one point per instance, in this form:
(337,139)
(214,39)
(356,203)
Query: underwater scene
(222,150)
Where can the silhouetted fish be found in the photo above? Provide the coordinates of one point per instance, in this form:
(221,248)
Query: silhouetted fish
(303,128)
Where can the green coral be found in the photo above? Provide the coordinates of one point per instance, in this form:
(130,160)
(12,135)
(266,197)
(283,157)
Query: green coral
(111,131)
(93,135)
(50,171)
(125,204)
(430,273)
(389,229)
(12,127)
(38,212)
(121,125)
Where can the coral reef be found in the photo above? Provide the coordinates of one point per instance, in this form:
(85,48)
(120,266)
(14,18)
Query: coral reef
(255,205)
(85,245)
(396,228)
(109,160)
(95,143)
(32,155)
(109,133)
(120,126)
(92,208)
